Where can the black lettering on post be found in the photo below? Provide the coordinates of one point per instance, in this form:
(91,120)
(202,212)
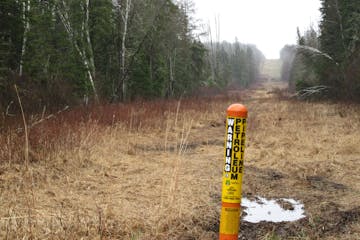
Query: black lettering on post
(234,176)
(241,163)
(236,149)
(235,162)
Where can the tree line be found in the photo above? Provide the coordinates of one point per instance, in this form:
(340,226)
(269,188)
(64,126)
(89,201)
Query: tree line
(69,51)
(234,63)
(325,63)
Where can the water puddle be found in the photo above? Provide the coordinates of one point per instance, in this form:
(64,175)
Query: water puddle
(278,210)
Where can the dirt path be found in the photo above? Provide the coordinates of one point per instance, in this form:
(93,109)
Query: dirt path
(165,182)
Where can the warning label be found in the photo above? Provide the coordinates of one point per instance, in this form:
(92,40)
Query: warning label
(234,159)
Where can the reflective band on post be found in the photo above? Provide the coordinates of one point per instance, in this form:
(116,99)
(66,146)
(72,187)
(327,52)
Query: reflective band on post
(233,172)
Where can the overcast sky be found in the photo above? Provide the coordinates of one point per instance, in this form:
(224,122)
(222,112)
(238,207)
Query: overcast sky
(269,24)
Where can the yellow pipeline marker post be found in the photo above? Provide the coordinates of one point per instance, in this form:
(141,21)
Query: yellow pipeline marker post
(233,172)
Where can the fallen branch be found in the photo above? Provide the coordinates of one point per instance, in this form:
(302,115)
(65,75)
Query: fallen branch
(43,118)
(311,91)
(48,117)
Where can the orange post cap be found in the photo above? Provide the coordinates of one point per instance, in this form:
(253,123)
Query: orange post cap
(237,110)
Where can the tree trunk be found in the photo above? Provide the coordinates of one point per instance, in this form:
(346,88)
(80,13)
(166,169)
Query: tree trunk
(88,61)
(90,55)
(172,65)
(341,26)
(26,21)
(125,18)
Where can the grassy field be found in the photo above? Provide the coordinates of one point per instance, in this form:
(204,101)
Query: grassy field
(153,170)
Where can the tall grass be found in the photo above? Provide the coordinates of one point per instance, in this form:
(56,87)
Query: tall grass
(66,128)
(107,171)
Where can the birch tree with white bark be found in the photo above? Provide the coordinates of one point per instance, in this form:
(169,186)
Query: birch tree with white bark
(79,36)
(26,21)
(123,9)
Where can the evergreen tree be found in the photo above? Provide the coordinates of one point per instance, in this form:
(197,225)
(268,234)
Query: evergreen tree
(11,29)
(339,38)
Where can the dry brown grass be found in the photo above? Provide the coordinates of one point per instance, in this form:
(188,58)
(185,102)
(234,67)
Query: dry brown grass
(94,177)
(153,170)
